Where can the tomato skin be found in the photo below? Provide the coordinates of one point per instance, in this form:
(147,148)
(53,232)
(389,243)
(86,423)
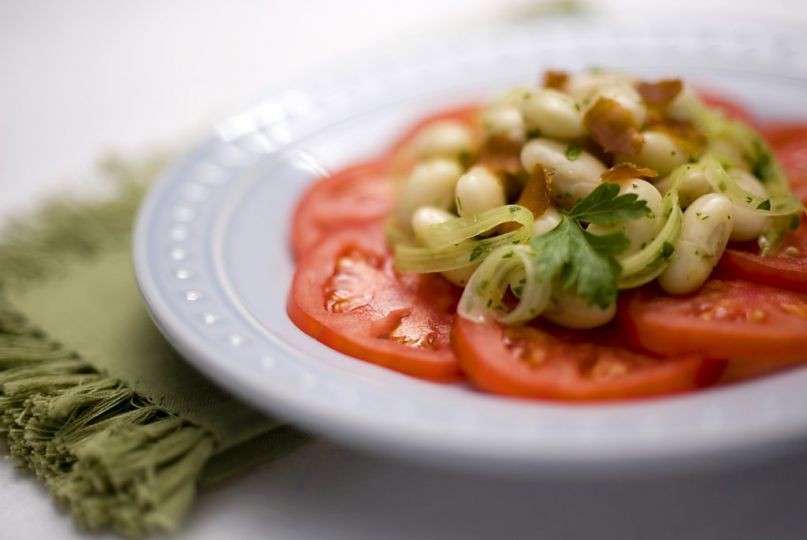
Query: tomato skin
(724,319)
(567,369)
(381,304)
(356,196)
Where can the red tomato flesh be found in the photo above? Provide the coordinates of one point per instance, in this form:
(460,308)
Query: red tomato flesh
(789,143)
(347,295)
(742,370)
(787,268)
(541,361)
(356,196)
(724,319)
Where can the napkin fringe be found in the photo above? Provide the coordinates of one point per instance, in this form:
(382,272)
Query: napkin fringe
(113,458)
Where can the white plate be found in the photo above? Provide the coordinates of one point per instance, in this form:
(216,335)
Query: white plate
(212,259)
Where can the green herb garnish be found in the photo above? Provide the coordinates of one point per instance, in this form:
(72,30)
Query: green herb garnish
(583,262)
(763,166)
(605,206)
(477,252)
(573,151)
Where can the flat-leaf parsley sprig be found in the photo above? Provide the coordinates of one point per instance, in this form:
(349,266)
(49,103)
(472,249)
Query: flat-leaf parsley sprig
(583,262)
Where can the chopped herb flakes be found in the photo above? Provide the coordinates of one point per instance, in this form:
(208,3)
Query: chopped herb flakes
(477,252)
(763,165)
(573,151)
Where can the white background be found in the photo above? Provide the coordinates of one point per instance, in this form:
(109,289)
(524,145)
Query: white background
(85,77)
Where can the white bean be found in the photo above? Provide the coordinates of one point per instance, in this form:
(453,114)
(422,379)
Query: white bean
(504,121)
(659,152)
(693,184)
(545,222)
(642,230)
(748,225)
(553,114)
(431,183)
(685,106)
(444,139)
(582,86)
(626,96)
(478,190)
(573,179)
(569,310)
(515,96)
(705,231)
(426,216)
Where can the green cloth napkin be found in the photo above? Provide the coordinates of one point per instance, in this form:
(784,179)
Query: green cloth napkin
(92,398)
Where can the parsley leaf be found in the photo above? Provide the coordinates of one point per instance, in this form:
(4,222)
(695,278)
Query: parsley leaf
(581,261)
(573,151)
(604,206)
(608,244)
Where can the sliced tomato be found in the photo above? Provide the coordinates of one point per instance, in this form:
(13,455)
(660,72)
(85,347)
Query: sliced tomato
(353,197)
(742,370)
(541,361)
(787,268)
(724,319)
(347,295)
(730,107)
(789,143)
(781,133)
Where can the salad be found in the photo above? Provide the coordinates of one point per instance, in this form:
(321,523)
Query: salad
(595,236)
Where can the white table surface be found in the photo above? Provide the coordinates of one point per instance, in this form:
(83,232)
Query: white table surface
(83,77)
